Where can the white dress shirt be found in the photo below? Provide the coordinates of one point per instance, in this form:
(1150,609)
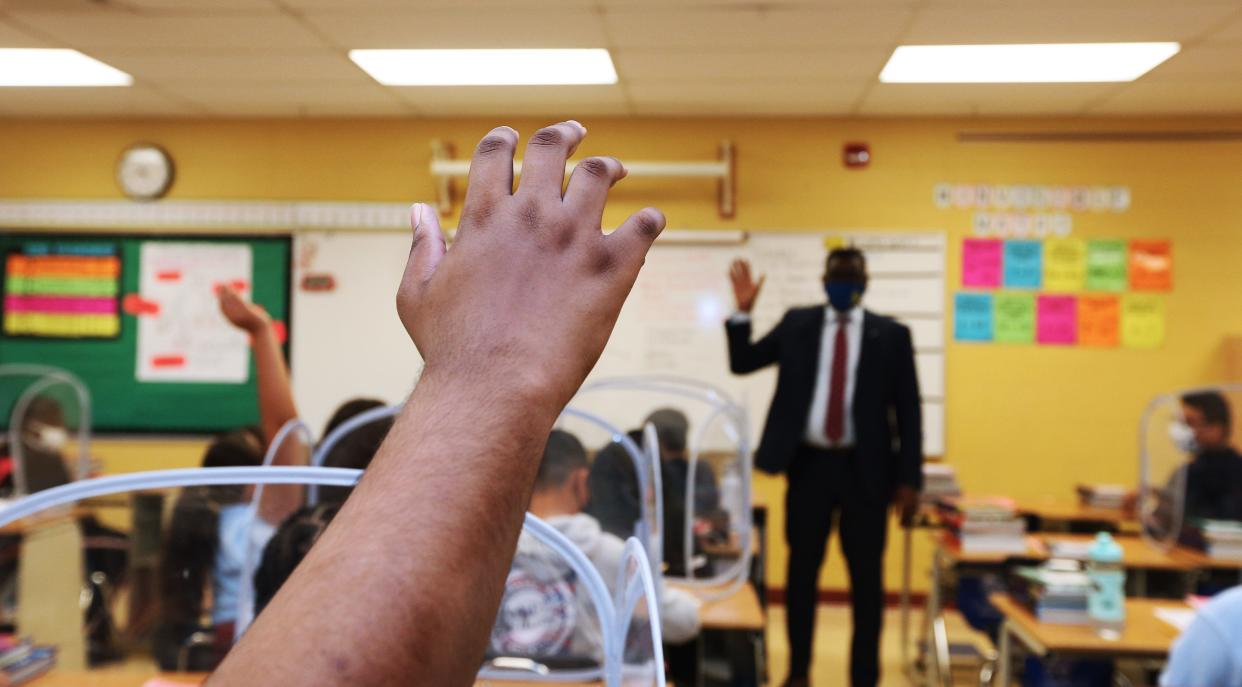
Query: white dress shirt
(818,417)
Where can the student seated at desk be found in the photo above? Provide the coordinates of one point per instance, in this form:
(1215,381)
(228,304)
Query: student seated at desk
(44,438)
(1209,652)
(211,533)
(614,488)
(1212,479)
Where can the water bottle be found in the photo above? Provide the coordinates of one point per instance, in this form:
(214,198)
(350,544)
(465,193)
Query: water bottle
(1106,602)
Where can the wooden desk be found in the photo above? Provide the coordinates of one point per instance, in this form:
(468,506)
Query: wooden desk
(1199,560)
(1145,635)
(954,555)
(44,518)
(739,611)
(1136,552)
(1066,511)
(130,678)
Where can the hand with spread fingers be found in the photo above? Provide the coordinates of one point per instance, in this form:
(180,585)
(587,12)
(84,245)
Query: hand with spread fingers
(531,289)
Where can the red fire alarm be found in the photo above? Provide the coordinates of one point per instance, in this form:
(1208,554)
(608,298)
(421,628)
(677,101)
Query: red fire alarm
(856,155)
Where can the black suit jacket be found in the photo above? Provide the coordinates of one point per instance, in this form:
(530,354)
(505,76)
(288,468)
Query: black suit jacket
(887,414)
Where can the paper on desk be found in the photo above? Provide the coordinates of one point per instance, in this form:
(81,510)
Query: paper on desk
(1177,617)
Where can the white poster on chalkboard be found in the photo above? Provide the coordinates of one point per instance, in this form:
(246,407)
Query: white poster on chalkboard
(182,337)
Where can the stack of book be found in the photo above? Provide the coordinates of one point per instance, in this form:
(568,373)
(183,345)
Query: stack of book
(1056,596)
(985,525)
(1105,496)
(1224,539)
(939,482)
(21,661)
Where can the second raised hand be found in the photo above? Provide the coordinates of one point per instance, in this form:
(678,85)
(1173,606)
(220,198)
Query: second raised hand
(527,298)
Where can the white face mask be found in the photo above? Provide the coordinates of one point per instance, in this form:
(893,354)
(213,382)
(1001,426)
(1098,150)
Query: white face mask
(50,437)
(1183,437)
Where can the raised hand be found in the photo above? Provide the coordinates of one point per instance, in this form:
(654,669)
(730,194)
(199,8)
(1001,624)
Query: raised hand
(526,299)
(745,288)
(248,317)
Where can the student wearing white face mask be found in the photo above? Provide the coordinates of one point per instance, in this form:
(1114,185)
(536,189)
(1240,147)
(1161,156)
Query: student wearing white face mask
(43,441)
(1213,476)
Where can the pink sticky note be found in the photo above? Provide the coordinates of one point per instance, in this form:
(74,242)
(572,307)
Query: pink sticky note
(1057,320)
(981,262)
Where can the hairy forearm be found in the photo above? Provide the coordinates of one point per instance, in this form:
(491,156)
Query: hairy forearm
(426,539)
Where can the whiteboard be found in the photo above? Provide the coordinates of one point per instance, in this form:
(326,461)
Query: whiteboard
(349,342)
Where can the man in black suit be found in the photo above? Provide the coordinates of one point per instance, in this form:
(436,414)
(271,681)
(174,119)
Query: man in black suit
(845,426)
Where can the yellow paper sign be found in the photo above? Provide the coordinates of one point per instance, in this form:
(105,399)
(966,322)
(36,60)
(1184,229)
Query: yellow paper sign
(1065,265)
(1142,321)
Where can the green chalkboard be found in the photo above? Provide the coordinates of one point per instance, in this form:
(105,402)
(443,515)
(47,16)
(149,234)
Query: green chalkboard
(105,357)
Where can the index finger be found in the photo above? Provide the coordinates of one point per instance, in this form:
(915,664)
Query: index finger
(491,171)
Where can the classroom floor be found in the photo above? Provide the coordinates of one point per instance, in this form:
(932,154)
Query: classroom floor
(832,646)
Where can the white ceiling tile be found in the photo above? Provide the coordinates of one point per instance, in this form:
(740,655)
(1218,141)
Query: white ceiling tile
(1203,61)
(980,99)
(1161,98)
(722,63)
(120,30)
(460,29)
(744,97)
(741,27)
(14,37)
(423,5)
(134,101)
(293,99)
(1228,32)
(1067,23)
(552,101)
(173,66)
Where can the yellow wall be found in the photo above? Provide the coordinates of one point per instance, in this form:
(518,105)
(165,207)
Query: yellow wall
(1025,421)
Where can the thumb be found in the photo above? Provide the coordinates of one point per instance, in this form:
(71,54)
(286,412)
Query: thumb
(759,284)
(427,248)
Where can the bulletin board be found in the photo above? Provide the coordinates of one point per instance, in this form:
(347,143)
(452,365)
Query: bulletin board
(134,317)
(1064,291)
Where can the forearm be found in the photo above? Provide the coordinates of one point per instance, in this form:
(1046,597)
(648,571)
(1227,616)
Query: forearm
(276,407)
(428,537)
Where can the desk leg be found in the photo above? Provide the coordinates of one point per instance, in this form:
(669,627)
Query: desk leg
(700,677)
(1005,659)
(1140,583)
(934,671)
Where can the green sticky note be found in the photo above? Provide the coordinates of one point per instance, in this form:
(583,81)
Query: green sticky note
(1107,263)
(1014,320)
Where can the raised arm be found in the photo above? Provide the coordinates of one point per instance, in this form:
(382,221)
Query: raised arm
(745,356)
(403,587)
(276,406)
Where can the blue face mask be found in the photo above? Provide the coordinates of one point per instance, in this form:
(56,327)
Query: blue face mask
(843,295)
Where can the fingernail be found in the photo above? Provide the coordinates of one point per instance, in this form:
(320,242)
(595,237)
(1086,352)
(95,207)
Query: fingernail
(418,216)
(577,124)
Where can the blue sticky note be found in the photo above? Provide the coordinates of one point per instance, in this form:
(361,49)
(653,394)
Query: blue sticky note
(972,317)
(1024,264)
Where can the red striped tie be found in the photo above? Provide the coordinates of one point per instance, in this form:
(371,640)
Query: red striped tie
(834,427)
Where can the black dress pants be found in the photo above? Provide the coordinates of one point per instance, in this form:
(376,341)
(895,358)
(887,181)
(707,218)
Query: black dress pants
(825,485)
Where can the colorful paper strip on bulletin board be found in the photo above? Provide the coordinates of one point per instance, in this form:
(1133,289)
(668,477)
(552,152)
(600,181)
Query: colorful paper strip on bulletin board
(1106,265)
(58,289)
(1057,320)
(1023,264)
(1151,265)
(1014,318)
(1065,265)
(1099,321)
(972,314)
(1142,321)
(981,263)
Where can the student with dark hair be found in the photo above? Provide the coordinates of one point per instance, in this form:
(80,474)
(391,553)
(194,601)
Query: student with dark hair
(1212,480)
(211,533)
(192,562)
(287,548)
(615,501)
(355,449)
(561,490)
(43,437)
